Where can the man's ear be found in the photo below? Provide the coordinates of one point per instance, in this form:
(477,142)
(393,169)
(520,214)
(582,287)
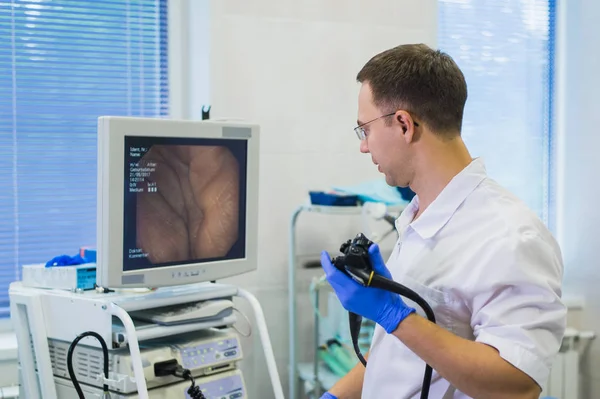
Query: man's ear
(404,119)
(402,123)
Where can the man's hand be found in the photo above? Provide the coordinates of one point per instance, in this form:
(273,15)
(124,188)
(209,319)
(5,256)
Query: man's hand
(385,308)
(194,213)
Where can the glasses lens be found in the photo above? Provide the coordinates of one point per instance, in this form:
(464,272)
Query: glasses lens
(360,132)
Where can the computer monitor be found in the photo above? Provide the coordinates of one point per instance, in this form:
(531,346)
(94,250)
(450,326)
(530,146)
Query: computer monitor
(177,201)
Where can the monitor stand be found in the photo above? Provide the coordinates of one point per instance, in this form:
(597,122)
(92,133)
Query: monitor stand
(42,314)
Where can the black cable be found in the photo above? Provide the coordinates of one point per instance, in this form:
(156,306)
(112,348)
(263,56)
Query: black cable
(172,367)
(102,290)
(392,286)
(355,323)
(356,264)
(194,390)
(70,360)
(377,281)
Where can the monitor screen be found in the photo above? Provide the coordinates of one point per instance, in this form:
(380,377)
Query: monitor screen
(184,201)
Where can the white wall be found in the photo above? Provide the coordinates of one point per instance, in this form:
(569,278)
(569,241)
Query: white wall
(579,227)
(291,67)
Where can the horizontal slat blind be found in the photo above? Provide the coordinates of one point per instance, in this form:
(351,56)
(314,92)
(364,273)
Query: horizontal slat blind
(506,51)
(63,63)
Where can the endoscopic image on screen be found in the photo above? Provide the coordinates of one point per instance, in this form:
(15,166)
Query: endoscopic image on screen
(188,199)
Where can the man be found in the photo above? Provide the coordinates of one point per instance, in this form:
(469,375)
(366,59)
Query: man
(485,263)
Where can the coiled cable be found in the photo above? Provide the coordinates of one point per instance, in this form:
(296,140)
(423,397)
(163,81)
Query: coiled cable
(72,375)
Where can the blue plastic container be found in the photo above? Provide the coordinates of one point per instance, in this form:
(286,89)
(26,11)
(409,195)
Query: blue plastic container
(332,199)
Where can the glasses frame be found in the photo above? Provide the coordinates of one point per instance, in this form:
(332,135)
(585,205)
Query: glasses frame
(360,131)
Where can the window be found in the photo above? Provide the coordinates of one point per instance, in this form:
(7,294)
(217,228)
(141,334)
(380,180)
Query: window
(63,63)
(505,48)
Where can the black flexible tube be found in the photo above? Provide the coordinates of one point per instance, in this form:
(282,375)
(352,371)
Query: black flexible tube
(390,285)
(355,323)
(377,281)
(70,360)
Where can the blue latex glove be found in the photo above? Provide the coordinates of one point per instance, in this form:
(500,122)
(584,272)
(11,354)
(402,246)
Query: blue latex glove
(385,308)
(327,395)
(66,260)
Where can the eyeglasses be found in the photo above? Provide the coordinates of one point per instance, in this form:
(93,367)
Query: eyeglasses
(360,131)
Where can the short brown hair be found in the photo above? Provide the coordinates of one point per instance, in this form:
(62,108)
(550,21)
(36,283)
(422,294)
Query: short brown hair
(425,82)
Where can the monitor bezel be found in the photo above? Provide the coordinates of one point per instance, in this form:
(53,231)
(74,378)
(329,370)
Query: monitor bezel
(110,207)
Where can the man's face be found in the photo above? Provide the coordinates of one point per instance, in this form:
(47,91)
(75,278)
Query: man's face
(384,140)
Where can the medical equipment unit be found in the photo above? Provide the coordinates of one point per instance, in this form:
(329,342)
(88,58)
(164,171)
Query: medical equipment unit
(177,210)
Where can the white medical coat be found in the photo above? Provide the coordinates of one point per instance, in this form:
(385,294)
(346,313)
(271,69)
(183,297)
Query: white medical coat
(492,273)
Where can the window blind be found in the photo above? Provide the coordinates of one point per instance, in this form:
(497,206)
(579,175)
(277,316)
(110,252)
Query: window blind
(505,48)
(63,63)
